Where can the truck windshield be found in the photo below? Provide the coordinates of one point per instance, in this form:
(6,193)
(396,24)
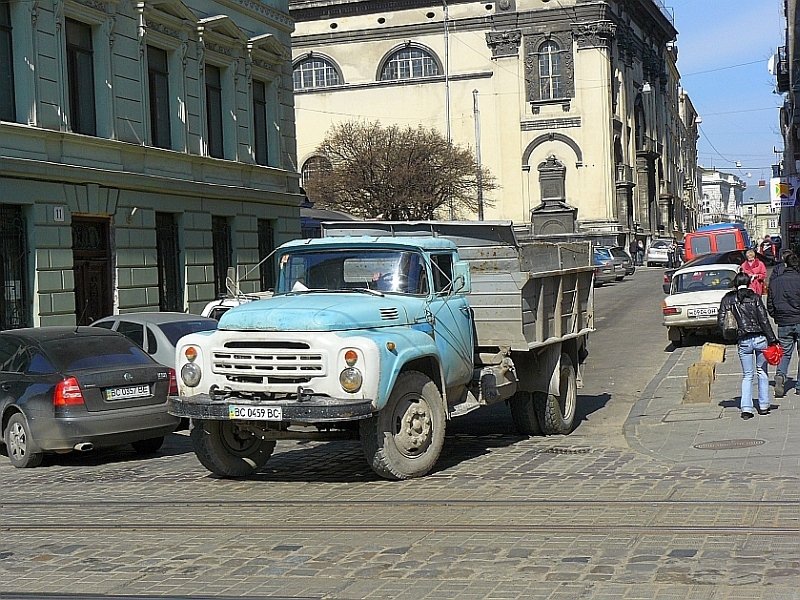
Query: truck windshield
(391,271)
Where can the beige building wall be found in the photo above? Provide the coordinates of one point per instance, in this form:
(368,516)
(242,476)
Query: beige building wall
(614,159)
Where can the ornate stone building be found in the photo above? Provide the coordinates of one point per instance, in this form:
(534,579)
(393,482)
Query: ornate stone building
(592,84)
(144,148)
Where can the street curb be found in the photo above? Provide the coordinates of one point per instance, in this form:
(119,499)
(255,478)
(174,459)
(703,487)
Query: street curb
(640,408)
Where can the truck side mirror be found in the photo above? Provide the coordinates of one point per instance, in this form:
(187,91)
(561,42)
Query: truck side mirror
(462,283)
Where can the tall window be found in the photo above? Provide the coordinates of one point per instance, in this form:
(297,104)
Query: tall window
(14,309)
(214,112)
(266,244)
(168,250)
(315,73)
(223,254)
(7,112)
(158,89)
(409,63)
(260,122)
(550,71)
(80,77)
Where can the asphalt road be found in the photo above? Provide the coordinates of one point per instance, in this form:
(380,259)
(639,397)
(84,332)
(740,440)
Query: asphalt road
(502,516)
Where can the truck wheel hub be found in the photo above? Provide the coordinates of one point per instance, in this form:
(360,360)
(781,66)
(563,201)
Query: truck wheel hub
(414,431)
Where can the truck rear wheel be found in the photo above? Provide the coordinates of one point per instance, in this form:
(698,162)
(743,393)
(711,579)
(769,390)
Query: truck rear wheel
(557,413)
(404,439)
(228,451)
(523,413)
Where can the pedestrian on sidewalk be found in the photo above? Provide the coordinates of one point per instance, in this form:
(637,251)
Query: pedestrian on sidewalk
(756,270)
(753,334)
(639,252)
(779,266)
(633,248)
(783,305)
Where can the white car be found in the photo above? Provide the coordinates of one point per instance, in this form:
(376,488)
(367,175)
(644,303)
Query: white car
(694,297)
(216,308)
(658,253)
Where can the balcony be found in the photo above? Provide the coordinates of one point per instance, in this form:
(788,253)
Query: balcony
(782,70)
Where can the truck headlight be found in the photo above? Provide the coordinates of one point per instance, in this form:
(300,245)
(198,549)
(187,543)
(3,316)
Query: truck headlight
(190,374)
(351,380)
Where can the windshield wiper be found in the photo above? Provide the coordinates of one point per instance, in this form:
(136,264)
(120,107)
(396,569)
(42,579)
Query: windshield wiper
(367,291)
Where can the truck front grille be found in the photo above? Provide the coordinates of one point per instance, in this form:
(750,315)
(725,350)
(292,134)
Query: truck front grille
(251,361)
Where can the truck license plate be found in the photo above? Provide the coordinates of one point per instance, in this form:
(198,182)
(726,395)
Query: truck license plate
(710,311)
(255,413)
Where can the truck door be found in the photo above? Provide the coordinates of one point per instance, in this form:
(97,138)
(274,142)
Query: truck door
(453,324)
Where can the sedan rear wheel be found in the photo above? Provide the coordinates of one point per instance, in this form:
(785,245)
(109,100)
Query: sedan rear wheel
(148,446)
(19,443)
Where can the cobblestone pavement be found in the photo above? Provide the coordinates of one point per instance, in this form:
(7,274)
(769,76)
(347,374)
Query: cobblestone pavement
(502,516)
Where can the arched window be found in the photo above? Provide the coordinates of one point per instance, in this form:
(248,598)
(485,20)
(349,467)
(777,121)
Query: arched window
(409,63)
(550,71)
(315,72)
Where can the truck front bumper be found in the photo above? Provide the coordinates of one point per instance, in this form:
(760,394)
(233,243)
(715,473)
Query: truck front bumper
(316,409)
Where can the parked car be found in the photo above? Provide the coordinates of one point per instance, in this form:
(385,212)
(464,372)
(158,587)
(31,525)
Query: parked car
(658,253)
(622,257)
(732,257)
(604,266)
(76,388)
(157,333)
(694,297)
(717,237)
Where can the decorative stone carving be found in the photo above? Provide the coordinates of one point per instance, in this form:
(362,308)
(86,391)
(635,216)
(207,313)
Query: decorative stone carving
(219,49)
(267,11)
(533,42)
(597,34)
(504,43)
(168,31)
(553,215)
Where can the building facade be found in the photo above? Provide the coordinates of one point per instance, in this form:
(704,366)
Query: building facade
(144,149)
(760,217)
(721,197)
(787,75)
(592,85)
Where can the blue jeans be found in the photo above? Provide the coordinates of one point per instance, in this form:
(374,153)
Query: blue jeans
(788,335)
(751,354)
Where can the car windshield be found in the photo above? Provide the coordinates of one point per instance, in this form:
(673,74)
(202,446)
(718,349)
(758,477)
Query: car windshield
(176,330)
(702,281)
(387,270)
(619,253)
(90,352)
(659,244)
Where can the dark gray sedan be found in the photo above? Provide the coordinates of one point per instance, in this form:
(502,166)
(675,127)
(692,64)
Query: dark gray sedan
(76,388)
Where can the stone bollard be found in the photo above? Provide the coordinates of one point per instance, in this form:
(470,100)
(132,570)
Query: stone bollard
(702,374)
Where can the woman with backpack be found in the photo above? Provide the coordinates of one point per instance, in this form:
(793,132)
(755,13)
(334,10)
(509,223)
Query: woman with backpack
(753,334)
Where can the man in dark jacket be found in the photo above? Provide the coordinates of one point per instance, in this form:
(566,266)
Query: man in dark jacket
(783,305)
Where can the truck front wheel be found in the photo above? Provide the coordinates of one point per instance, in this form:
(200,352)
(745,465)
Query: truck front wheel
(226,450)
(405,438)
(557,413)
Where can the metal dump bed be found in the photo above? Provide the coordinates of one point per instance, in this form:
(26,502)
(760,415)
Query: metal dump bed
(525,294)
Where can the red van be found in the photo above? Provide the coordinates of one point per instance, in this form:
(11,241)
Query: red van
(719,237)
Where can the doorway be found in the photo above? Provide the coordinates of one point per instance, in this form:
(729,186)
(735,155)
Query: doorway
(91,255)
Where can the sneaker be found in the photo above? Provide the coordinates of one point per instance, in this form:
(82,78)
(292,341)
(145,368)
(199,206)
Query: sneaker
(763,411)
(780,385)
(747,415)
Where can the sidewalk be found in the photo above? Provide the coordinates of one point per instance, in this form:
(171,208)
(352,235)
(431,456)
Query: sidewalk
(712,435)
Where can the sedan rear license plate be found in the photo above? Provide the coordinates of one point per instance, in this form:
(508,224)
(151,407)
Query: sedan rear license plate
(702,312)
(255,413)
(131,391)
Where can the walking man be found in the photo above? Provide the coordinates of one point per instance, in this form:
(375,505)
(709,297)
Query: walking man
(783,305)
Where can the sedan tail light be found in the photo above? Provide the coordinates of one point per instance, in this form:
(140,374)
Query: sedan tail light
(173,383)
(670,310)
(68,393)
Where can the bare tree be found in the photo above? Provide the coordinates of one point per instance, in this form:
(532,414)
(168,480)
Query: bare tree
(396,174)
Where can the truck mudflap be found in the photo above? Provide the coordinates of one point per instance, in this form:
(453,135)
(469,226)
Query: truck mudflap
(311,409)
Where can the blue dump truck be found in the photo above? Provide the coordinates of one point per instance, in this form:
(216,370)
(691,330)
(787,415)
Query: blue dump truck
(386,331)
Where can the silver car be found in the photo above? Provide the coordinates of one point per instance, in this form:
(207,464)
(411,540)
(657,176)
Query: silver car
(157,333)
